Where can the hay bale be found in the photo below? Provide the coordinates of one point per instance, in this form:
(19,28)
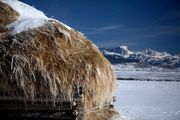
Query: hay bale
(47,61)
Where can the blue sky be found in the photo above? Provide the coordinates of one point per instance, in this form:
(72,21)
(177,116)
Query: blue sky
(138,24)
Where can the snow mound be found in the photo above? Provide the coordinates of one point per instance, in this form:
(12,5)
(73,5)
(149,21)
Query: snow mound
(25,10)
(29,17)
(26,24)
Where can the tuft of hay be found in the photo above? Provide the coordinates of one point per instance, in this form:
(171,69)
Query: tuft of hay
(8,15)
(48,61)
(102,114)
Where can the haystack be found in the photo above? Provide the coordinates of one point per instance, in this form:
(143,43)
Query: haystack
(43,58)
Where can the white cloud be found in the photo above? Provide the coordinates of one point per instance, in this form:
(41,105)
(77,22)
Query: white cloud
(96,30)
(110,27)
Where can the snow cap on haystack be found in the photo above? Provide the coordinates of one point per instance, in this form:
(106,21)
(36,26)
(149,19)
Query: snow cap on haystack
(44,58)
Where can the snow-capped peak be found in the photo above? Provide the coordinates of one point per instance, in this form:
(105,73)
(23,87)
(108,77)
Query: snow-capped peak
(29,17)
(124,47)
(153,53)
(148,56)
(150,52)
(127,51)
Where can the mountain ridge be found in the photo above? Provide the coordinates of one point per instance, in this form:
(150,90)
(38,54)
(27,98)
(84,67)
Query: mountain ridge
(123,54)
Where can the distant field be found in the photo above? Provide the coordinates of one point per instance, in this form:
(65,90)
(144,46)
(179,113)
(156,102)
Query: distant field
(130,72)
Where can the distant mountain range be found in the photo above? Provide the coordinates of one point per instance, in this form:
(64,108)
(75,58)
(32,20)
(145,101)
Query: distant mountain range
(145,57)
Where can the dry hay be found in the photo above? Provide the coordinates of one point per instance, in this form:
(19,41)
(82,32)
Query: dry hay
(46,62)
(8,15)
(102,114)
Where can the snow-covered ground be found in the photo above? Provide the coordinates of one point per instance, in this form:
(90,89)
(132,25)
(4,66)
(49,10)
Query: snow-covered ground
(148,100)
(132,72)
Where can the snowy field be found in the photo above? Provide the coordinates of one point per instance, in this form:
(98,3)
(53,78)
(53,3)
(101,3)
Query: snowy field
(148,100)
(132,72)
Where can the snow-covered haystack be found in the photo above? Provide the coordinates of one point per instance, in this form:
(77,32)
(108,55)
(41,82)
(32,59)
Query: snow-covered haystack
(43,58)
